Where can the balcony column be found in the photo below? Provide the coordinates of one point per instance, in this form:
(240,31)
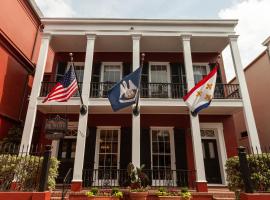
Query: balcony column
(136,119)
(248,113)
(201,183)
(76,184)
(32,107)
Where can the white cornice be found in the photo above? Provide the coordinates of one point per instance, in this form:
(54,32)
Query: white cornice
(209,22)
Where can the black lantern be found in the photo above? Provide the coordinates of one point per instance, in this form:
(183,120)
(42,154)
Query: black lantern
(56,127)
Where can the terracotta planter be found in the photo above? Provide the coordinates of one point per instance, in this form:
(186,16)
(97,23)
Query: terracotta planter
(103,198)
(138,195)
(169,198)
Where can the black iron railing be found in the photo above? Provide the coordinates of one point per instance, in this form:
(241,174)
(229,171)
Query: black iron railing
(66,183)
(227,91)
(119,177)
(163,90)
(46,87)
(100,89)
(152,90)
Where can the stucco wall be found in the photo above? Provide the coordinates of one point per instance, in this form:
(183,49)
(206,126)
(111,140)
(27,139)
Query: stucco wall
(258,81)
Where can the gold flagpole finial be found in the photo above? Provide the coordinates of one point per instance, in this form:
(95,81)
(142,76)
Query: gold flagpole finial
(71,57)
(142,58)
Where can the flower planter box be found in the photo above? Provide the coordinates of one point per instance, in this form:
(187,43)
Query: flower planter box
(103,198)
(169,198)
(138,195)
(255,196)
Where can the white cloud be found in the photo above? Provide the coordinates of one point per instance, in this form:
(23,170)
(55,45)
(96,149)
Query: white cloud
(56,8)
(253,28)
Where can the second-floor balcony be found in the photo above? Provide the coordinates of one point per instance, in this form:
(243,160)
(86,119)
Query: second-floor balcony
(152,90)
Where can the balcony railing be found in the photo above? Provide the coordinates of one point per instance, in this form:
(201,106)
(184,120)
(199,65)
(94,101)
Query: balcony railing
(46,87)
(152,90)
(109,177)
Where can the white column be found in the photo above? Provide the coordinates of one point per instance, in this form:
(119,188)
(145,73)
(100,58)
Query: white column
(32,107)
(194,121)
(248,113)
(55,148)
(82,126)
(136,119)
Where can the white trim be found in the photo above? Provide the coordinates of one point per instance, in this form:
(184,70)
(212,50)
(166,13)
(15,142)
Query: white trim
(172,149)
(221,148)
(96,165)
(110,63)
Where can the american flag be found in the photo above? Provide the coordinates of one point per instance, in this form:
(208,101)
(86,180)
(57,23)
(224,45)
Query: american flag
(64,89)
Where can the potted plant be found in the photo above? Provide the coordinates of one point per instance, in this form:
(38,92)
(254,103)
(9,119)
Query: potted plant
(104,194)
(165,194)
(185,194)
(138,182)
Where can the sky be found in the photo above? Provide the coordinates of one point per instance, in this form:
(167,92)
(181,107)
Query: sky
(253,15)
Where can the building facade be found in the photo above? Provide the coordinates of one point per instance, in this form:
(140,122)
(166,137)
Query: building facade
(176,148)
(20,36)
(256,75)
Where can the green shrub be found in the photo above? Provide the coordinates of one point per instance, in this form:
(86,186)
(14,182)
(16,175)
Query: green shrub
(259,166)
(26,170)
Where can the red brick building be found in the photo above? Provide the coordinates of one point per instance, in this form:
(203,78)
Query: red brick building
(176,148)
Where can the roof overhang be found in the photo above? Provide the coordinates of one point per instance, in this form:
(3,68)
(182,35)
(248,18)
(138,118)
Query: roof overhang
(158,35)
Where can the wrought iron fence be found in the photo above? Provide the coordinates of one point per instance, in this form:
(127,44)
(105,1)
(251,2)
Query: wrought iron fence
(20,169)
(46,87)
(254,168)
(119,177)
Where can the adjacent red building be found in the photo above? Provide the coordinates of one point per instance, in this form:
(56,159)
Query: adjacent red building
(19,47)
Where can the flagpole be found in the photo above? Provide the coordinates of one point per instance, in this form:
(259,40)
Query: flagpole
(136,111)
(83,109)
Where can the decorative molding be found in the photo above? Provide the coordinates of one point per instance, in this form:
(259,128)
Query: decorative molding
(90,36)
(186,37)
(136,36)
(233,37)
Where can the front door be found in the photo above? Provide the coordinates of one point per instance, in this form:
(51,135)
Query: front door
(66,155)
(211,161)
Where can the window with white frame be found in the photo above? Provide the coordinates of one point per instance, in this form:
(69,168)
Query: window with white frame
(107,154)
(159,75)
(200,71)
(112,72)
(162,149)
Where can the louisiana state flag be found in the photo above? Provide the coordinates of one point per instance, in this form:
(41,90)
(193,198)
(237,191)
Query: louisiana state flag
(125,92)
(201,95)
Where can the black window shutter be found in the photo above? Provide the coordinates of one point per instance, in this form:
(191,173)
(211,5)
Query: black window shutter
(126,69)
(125,154)
(219,89)
(178,80)
(96,72)
(90,147)
(145,80)
(95,79)
(145,152)
(61,69)
(180,156)
(125,147)
(219,78)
